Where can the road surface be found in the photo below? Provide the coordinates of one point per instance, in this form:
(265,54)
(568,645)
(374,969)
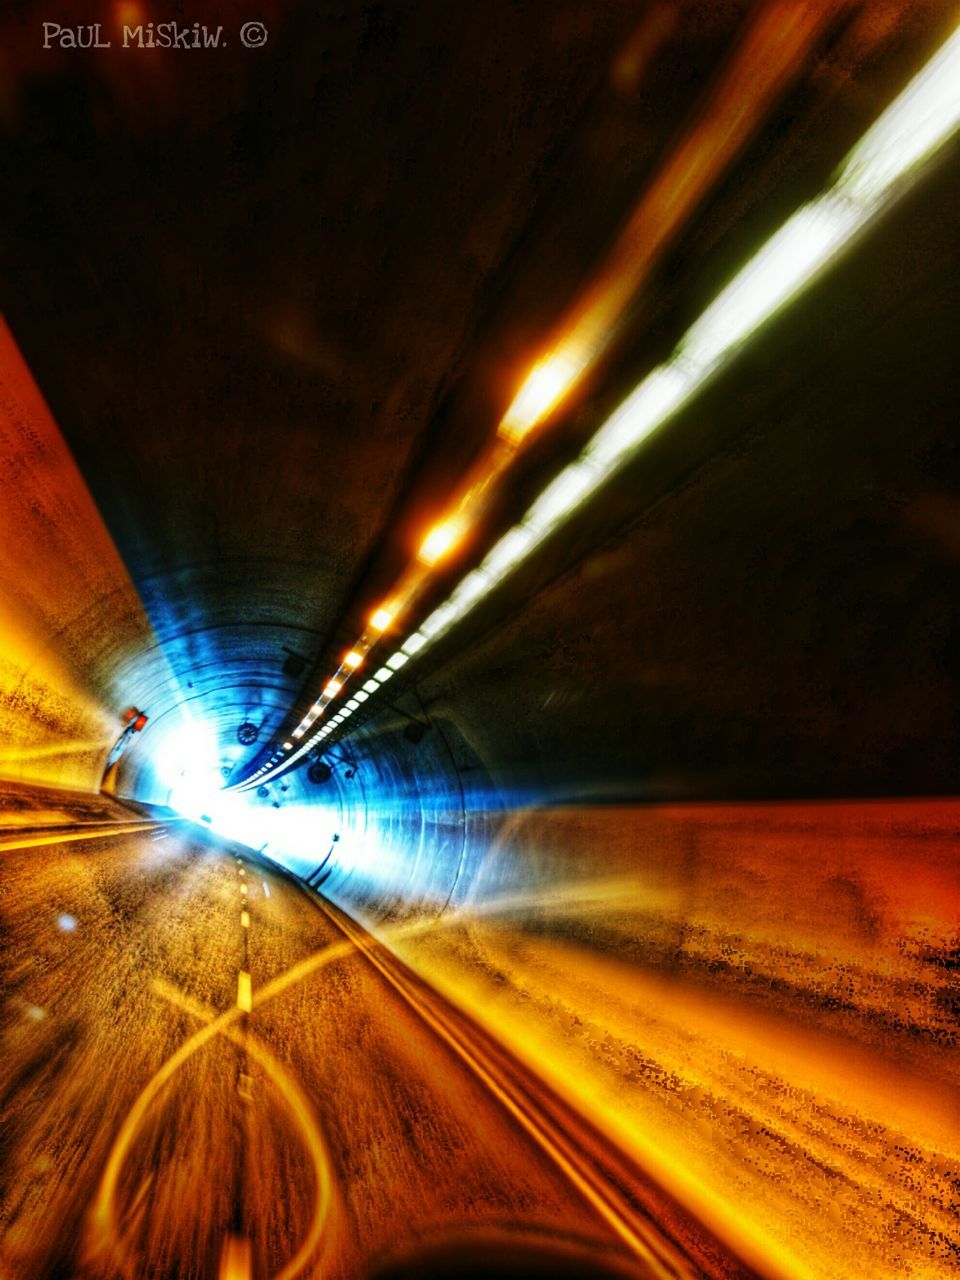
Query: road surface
(203,1076)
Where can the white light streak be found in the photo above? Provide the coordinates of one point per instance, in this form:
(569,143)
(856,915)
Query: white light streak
(572,487)
(879,169)
(413,644)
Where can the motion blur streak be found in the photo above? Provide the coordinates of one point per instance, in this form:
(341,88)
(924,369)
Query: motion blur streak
(224,1089)
(771,53)
(878,172)
(766,994)
(299,1106)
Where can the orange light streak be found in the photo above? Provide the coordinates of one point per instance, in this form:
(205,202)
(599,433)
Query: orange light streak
(440,541)
(768,59)
(752,1005)
(107,1238)
(381,619)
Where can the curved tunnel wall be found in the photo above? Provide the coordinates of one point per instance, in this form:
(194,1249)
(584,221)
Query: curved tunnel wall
(756,995)
(758,1001)
(412,819)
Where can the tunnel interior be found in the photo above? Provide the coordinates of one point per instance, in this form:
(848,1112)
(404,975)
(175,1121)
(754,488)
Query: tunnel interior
(668,805)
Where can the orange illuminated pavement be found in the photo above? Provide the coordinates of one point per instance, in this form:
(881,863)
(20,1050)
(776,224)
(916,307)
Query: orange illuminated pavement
(206,1074)
(757,1002)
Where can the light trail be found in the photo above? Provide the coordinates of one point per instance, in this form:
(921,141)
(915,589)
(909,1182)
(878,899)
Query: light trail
(880,169)
(106,1240)
(106,832)
(769,57)
(648,1245)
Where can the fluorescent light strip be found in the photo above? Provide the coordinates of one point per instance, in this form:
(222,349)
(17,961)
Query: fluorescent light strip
(656,398)
(470,589)
(879,169)
(510,550)
(438,621)
(360,696)
(564,495)
(413,644)
(803,246)
(397,660)
(371,685)
(916,124)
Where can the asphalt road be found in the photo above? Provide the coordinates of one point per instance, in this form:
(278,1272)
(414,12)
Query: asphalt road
(202,1076)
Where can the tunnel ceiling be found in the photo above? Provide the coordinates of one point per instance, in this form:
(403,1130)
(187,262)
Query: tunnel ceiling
(277,304)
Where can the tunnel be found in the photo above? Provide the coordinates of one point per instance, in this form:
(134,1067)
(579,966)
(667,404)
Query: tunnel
(479,640)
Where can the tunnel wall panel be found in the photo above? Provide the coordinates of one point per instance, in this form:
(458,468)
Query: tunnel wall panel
(70,619)
(758,1003)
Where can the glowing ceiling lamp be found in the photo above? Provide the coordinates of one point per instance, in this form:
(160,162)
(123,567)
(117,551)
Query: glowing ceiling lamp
(546,385)
(413,644)
(438,621)
(440,541)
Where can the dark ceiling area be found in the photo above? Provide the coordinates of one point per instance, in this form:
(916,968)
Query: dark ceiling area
(278,299)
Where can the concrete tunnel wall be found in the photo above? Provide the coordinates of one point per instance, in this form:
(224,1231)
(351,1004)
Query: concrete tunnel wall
(595,849)
(411,820)
(757,1001)
(71,622)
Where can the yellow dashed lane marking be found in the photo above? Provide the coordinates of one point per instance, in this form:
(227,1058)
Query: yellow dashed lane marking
(244,992)
(245,919)
(68,837)
(235,1260)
